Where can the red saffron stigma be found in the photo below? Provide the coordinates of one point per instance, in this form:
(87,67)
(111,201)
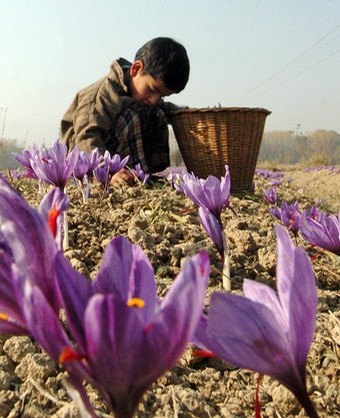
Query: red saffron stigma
(69,354)
(53,214)
(257,399)
(185,211)
(316,255)
(203,353)
(147,328)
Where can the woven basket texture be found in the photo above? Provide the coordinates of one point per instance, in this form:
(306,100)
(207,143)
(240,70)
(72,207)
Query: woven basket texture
(210,138)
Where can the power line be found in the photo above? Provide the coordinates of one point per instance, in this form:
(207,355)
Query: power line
(3,122)
(299,73)
(297,59)
(310,67)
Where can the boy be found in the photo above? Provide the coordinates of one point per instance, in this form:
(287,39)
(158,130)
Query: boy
(124,112)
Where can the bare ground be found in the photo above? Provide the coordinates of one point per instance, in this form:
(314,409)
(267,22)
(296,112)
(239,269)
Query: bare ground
(167,227)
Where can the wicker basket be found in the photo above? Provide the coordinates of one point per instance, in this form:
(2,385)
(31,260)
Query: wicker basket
(210,138)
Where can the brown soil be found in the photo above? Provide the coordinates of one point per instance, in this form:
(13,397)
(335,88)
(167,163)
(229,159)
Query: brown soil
(167,227)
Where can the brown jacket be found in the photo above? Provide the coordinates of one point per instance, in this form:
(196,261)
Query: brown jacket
(90,119)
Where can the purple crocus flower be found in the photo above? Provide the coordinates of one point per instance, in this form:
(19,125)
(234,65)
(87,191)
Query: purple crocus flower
(102,174)
(213,228)
(127,335)
(30,239)
(82,171)
(54,166)
(53,207)
(12,321)
(270,195)
(276,212)
(84,168)
(82,165)
(267,332)
(212,193)
(115,163)
(118,323)
(173,179)
(87,163)
(289,214)
(45,327)
(276,182)
(324,231)
(140,175)
(95,160)
(110,166)
(314,213)
(25,160)
(29,294)
(178,181)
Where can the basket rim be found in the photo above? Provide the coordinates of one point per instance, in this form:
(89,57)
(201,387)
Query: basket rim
(219,109)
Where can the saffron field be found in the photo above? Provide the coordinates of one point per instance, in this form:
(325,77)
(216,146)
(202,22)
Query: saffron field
(166,225)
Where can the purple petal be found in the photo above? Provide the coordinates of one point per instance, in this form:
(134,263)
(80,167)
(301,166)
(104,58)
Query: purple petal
(212,227)
(95,159)
(11,318)
(259,292)
(50,334)
(53,206)
(186,296)
(54,197)
(82,165)
(75,290)
(276,212)
(53,166)
(324,232)
(246,334)
(126,272)
(115,342)
(31,241)
(47,332)
(115,269)
(128,350)
(297,293)
(116,163)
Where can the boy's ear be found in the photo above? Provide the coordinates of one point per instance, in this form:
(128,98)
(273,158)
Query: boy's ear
(136,68)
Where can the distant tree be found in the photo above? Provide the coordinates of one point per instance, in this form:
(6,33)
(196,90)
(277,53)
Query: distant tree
(326,143)
(292,147)
(276,146)
(301,147)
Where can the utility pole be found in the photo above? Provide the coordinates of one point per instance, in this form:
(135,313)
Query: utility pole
(4,111)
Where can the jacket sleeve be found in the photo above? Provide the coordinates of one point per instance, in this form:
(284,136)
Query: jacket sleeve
(93,116)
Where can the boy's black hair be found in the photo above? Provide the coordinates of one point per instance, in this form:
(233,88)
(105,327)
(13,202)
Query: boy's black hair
(167,60)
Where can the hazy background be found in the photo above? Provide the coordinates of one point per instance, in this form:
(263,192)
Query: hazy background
(281,55)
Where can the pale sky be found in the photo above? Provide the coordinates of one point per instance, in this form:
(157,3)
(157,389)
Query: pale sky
(283,55)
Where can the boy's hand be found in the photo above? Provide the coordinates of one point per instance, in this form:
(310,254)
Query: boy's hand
(124,176)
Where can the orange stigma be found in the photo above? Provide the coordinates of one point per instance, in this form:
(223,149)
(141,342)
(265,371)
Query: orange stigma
(203,353)
(135,303)
(69,354)
(53,214)
(3,317)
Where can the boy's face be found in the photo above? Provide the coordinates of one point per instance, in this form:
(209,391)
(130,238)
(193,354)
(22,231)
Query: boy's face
(144,87)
